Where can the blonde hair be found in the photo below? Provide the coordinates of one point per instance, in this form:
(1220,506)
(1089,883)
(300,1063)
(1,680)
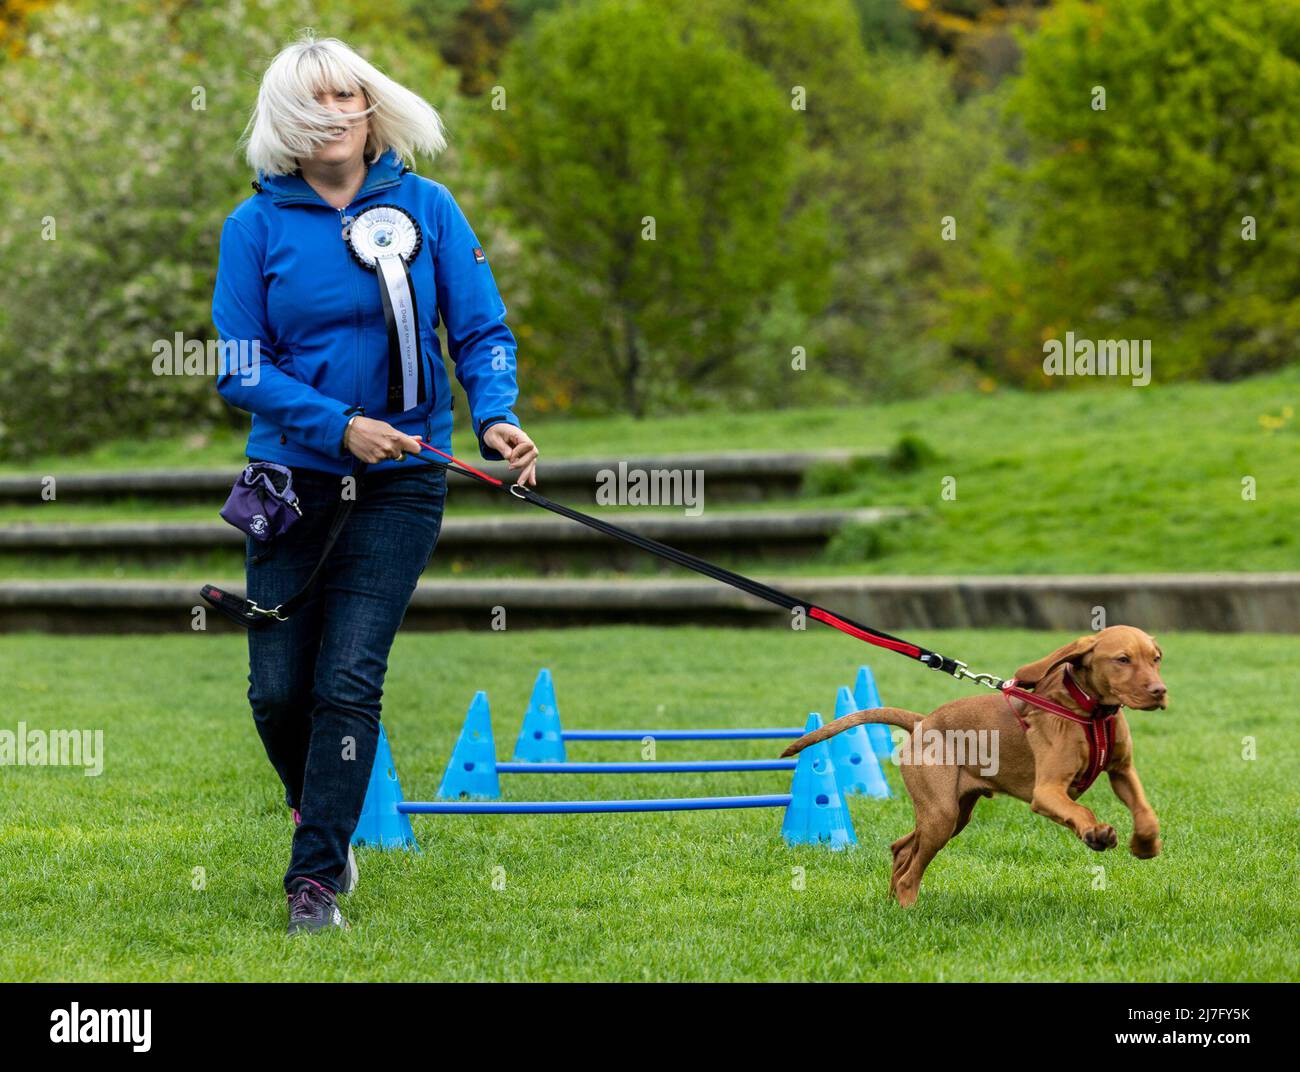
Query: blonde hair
(287,124)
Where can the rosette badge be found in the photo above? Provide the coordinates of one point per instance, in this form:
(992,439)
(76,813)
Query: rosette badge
(386,238)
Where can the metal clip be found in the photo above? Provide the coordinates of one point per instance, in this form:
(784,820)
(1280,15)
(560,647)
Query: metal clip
(991,681)
(274,612)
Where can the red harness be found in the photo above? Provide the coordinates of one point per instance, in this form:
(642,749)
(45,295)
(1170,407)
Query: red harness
(1099,727)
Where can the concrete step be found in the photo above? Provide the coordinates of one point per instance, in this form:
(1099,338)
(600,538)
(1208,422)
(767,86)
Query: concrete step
(735,476)
(1211,602)
(535,538)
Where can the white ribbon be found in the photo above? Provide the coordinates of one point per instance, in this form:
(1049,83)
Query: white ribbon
(392,271)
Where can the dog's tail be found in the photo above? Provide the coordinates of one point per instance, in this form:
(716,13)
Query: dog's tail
(893,716)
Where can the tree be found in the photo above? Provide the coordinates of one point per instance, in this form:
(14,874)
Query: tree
(1160,191)
(891,154)
(648,172)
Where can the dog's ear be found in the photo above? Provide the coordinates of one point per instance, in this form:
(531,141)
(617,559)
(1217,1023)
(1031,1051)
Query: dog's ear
(1073,652)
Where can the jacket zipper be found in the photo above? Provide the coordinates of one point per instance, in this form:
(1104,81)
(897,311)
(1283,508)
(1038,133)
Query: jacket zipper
(344,221)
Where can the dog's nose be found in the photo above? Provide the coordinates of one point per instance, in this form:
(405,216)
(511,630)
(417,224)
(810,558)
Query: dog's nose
(1157,690)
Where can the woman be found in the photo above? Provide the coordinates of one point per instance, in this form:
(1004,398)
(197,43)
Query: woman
(350,376)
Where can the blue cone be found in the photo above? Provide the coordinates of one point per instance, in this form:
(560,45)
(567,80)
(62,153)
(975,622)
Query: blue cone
(540,738)
(816,812)
(866,697)
(381,825)
(857,770)
(472,769)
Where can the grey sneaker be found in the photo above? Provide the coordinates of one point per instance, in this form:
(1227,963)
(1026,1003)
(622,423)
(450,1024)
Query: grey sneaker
(312,908)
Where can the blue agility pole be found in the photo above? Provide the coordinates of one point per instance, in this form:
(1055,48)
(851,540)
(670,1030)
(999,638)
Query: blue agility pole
(542,738)
(473,771)
(681,767)
(580,807)
(682,735)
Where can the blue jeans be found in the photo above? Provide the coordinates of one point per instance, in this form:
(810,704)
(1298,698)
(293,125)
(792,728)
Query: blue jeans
(316,680)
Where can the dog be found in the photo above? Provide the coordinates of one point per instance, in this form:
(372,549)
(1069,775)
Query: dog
(1047,757)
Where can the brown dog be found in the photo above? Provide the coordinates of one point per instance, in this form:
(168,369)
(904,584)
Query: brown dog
(1043,757)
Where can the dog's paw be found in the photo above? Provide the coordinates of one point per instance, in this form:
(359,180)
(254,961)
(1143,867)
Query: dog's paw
(1101,838)
(1144,848)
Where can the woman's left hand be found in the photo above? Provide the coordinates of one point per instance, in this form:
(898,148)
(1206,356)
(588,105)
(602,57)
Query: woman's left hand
(516,448)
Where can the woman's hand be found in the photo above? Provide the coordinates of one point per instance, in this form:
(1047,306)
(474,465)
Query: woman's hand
(516,448)
(376,441)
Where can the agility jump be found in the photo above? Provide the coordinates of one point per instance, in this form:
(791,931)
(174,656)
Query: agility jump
(815,809)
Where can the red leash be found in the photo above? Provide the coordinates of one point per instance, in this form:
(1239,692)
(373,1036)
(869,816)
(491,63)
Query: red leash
(456,463)
(755,588)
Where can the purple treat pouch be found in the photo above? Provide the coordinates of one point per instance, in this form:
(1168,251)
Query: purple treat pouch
(263,503)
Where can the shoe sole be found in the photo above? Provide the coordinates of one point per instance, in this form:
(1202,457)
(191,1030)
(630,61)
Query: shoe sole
(303,928)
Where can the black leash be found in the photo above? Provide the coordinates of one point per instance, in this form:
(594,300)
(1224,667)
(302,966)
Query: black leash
(247,613)
(758,589)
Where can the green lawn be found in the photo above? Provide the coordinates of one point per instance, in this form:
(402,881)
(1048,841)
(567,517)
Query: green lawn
(1111,416)
(96,874)
(1108,479)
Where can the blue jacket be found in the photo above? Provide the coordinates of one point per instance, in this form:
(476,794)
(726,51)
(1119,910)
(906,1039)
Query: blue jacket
(287,280)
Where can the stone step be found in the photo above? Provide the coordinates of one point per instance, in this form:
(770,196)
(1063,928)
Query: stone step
(732,476)
(537,539)
(1210,602)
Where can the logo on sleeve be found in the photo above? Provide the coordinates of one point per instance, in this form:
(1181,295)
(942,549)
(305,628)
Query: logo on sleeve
(479,256)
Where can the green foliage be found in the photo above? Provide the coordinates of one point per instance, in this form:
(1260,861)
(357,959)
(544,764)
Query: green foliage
(877,147)
(616,121)
(888,24)
(855,545)
(891,153)
(837,477)
(1129,222)
(779,231)
(910,453)
(109,241)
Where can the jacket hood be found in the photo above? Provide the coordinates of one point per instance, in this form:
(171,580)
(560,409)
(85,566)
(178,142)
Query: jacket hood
(287,188)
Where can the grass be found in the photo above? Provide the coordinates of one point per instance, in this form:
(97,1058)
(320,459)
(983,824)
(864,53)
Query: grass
(97,875)
(1109,479)
(1246,416)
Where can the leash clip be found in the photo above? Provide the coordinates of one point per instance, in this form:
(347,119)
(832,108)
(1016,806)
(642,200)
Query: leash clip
(961,672)
(262,612)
